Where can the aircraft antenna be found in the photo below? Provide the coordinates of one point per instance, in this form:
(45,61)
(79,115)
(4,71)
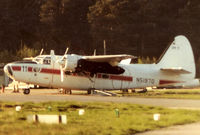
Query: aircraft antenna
(94,52)
(104,47)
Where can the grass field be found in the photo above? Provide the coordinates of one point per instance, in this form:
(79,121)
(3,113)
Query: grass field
(99,118)
(166,93)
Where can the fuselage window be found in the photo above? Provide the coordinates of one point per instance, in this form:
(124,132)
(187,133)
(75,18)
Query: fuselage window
(47,61)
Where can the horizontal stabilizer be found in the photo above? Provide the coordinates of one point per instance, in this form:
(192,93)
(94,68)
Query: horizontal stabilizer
(176,70)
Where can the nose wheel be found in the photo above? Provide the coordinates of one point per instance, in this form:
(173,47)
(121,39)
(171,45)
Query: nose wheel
(26,91)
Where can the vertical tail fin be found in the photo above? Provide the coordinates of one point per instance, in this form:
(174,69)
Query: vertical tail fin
(179,56)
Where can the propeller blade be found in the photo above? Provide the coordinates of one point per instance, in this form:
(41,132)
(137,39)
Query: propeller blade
(41,51)
(61,62)
(61,74)
(61,59)
(94,52)
(66,51)
(53,57)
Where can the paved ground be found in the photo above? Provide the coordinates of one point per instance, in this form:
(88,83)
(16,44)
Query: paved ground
(52,95)
(190,129)
(42,95)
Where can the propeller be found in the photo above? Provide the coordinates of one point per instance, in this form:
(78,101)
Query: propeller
(61,62)
(61,74)
(94,52)
(41,51)
(53,57)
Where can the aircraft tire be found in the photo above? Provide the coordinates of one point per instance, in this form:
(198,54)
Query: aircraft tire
(27,91)
(142,91)
(125,91)
(70,92)
(133,90)
(89,91)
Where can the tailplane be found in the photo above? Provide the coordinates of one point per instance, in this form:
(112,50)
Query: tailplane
(179,58)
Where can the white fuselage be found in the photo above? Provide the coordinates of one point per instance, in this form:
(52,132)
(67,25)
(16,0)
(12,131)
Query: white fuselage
(135,76)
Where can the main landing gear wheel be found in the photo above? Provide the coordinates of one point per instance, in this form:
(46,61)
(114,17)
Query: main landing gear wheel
(125,90)
(90,91)
(26,91)
(133,91)
(67,91)
(143,91)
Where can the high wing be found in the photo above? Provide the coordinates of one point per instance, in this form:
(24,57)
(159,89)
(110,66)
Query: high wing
(111,59)
(175,70)
(93,64)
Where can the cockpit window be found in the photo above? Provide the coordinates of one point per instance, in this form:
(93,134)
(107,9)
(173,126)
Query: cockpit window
(47,60)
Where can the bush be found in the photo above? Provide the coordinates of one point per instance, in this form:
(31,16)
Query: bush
(6,56)
(26,52)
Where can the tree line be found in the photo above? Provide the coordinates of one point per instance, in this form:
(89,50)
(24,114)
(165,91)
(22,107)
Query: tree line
(137,27)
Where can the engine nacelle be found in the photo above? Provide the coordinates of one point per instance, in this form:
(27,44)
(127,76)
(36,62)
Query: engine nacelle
(71,62)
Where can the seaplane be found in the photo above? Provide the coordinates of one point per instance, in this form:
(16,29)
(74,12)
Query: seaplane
(176,67)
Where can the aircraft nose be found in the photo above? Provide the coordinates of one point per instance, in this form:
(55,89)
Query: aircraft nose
(7,70)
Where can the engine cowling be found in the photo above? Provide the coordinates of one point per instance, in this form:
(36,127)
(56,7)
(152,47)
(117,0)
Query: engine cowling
(71,62)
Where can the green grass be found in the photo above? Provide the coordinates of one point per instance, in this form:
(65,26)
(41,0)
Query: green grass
(99,118)
(166,93)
